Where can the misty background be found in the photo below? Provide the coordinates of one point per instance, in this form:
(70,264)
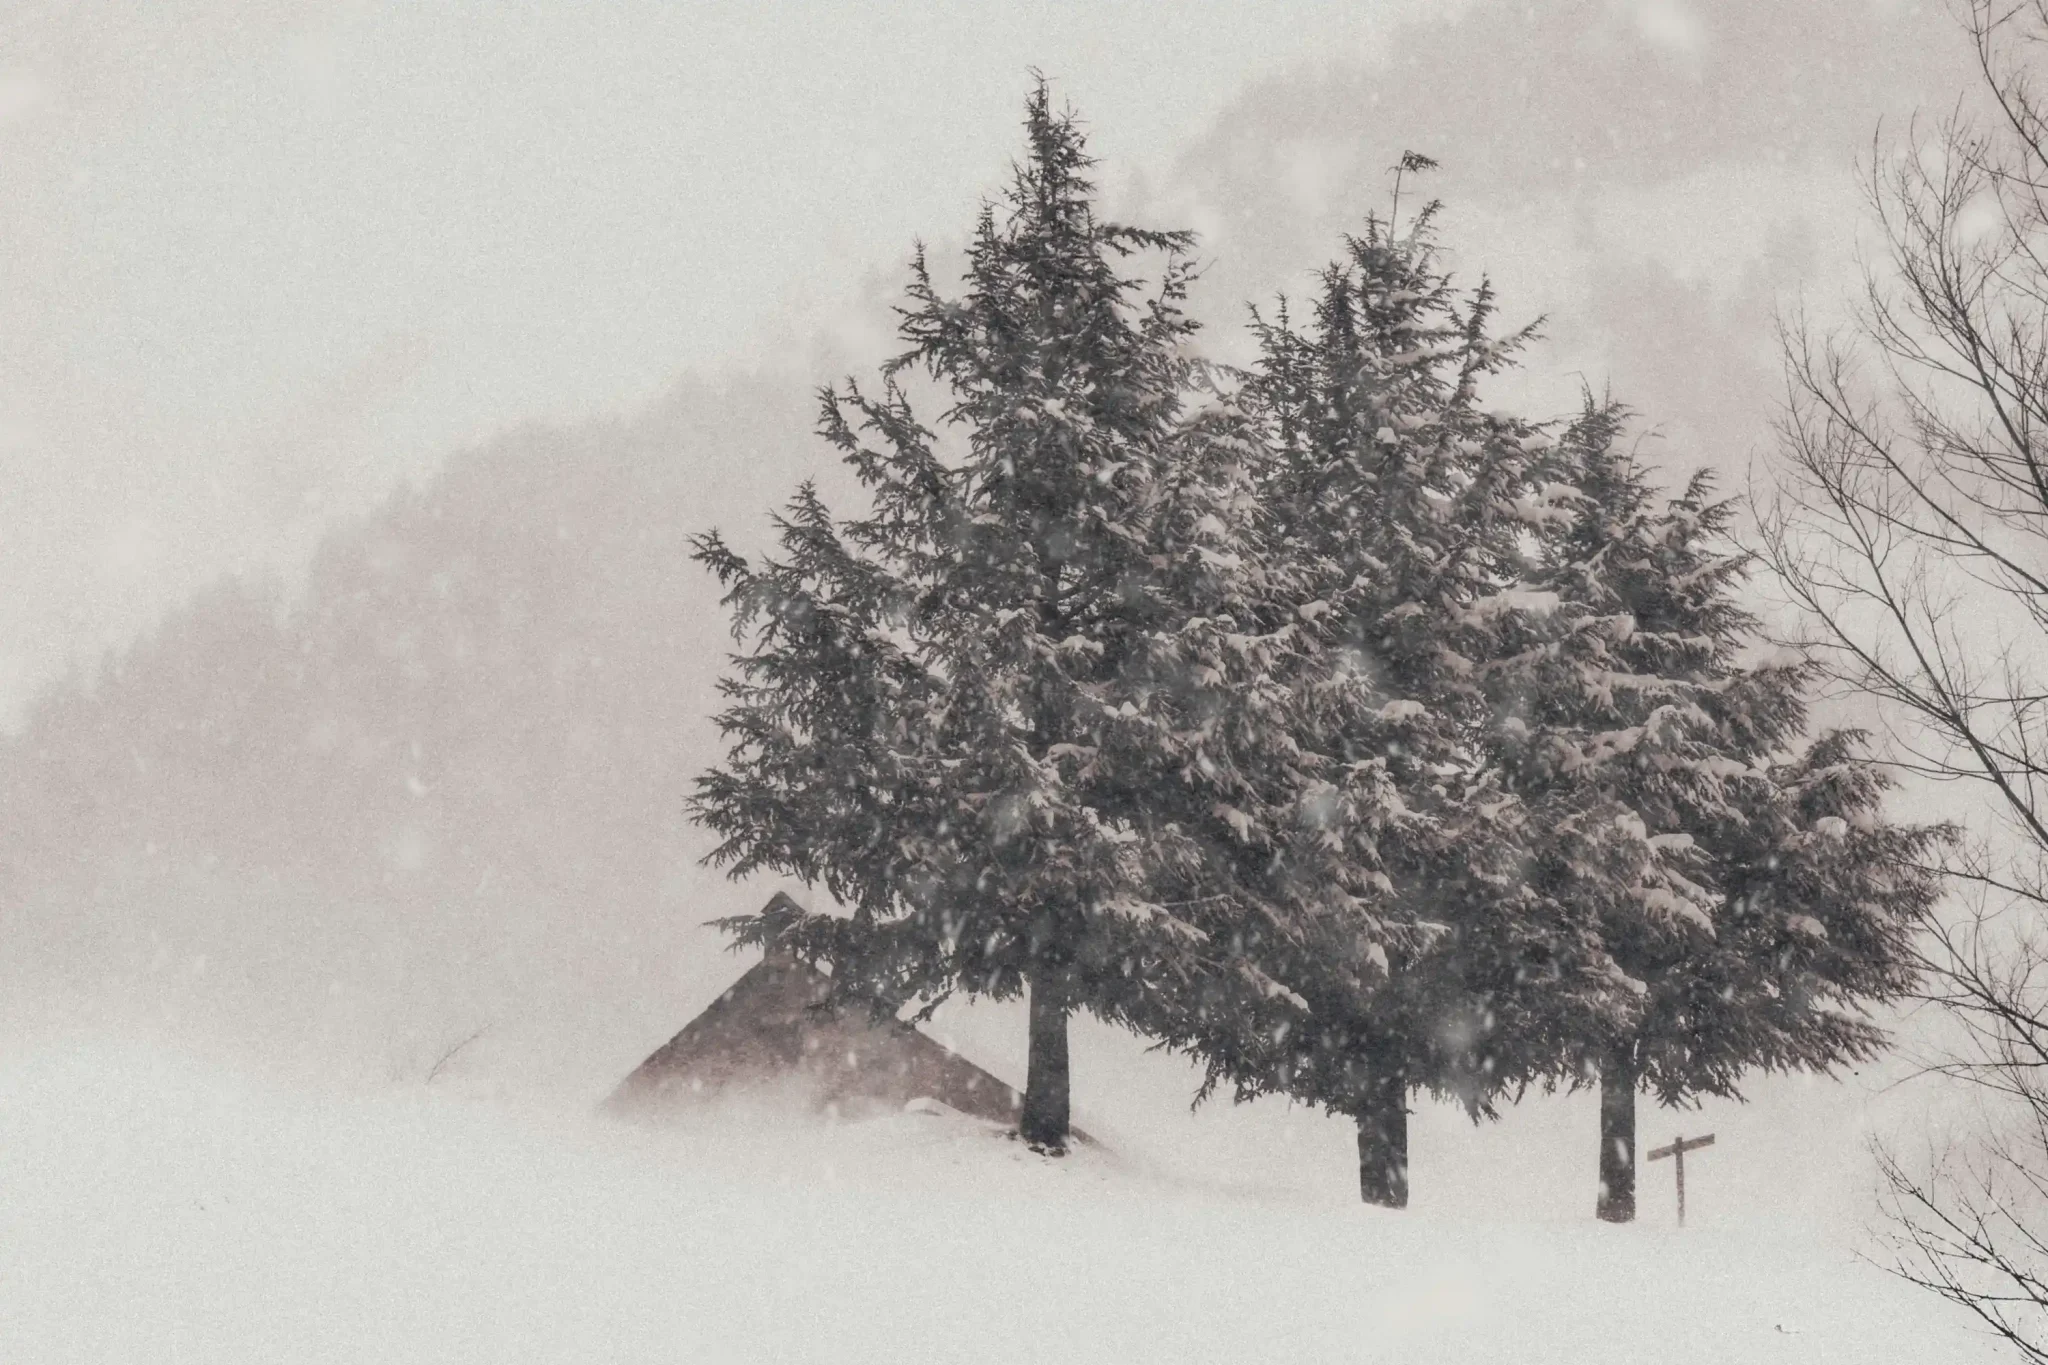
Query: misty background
(364,369)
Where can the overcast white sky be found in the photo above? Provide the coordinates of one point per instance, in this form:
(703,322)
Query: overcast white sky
(261,258)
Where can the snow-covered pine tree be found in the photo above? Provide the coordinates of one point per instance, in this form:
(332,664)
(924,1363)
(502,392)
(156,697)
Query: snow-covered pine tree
(1749,901)
(958,712)
(1600,733)
(1396,496)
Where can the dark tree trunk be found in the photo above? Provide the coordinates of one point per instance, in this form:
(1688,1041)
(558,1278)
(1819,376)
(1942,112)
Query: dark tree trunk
(1618,1136)
(1383,1144)
(1043,1122)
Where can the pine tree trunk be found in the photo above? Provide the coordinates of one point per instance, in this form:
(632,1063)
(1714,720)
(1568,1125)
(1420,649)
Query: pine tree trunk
(1043,1122)
(1383,1144)
(1618,1136)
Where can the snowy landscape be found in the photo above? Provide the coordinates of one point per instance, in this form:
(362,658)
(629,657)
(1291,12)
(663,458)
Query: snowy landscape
(952,682)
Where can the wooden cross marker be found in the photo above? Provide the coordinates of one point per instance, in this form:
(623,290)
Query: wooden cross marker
(1676,1151)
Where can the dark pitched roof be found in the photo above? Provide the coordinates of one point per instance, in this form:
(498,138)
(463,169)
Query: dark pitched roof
(770,1027)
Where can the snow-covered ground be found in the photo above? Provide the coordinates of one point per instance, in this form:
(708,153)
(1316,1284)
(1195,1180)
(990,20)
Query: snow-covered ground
(154,1207)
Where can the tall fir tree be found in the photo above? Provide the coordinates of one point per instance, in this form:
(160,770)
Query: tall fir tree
(1009,716)
(1749,900)
(1398,497)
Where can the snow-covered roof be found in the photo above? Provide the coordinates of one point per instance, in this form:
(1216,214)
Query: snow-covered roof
(773,1028)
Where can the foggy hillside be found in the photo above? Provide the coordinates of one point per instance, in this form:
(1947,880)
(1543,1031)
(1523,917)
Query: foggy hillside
(438,787)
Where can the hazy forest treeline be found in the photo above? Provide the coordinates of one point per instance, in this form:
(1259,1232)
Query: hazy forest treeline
(392,798)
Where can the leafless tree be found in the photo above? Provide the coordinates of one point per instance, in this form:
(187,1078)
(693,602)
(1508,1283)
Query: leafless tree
(1911,526)
(1970,1221)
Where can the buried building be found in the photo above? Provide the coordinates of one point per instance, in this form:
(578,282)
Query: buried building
(772,1029)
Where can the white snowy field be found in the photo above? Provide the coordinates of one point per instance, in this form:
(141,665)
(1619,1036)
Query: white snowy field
(157,1208)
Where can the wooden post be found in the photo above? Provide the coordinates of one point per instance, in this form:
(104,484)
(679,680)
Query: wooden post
(1676,1151)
